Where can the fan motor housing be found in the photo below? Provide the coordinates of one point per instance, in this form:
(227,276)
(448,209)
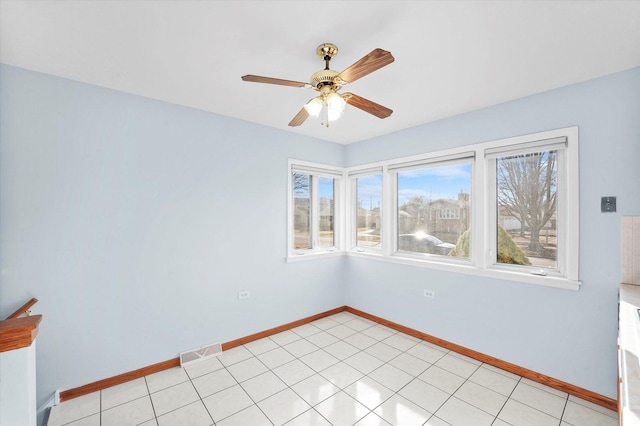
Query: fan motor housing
(323,78)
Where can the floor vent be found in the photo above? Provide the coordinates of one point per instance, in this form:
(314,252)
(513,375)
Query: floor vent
(199,354)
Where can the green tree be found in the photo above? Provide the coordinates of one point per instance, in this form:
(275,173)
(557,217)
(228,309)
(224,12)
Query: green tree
(508,250)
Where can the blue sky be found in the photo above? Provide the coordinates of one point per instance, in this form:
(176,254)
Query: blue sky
(370,191)
(434,183)
(325,187)
(431,183)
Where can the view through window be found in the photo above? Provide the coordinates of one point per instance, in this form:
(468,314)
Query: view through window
(527,209)
(434,210)
(369,205)
(326,211)
(301,210)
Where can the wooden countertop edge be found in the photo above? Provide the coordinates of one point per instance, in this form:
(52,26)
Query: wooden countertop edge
(18,333)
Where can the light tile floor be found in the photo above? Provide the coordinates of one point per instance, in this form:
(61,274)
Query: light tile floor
(339,370)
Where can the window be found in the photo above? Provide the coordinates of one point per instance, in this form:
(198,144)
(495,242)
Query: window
(530,199)
(449,213)
(313,199)
(326,210)
(367,209)
(433,211)
(301,211)
(505,209)
(527,190)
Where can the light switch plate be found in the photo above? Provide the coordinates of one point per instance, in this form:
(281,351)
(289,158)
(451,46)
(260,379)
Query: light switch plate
(608,204)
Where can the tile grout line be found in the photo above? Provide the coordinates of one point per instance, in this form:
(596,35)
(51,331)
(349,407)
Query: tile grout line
(146,384)
(416,376)
(564,409)
(198,393)
(287,386)
(508,398)
(452,394)
(319,372)
(395,332)
(527,405)
(315,373)
(312,407)
(362,348)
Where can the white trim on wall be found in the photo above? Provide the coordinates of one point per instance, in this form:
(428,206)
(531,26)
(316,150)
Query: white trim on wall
(483,218)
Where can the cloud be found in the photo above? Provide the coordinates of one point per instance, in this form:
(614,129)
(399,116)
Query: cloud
(451,172)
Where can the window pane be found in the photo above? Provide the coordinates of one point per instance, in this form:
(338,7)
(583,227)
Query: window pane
(369,199)
(527,209)
(325,211)
(301,211)
(434,210)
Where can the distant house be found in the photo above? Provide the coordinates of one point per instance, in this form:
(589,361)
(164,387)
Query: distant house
(369,219)
(511,222)
(447,218)
(508,220)
(326,214)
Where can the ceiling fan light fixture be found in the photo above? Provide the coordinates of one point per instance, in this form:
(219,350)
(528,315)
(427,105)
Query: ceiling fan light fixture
(335,106)
(314,106)
(330,104)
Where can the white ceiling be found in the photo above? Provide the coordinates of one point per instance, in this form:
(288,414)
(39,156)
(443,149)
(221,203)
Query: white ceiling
(450,56)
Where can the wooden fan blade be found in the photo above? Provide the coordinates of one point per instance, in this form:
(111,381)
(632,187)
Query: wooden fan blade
(377,59)
(269,80)
(299,118)
(367,106)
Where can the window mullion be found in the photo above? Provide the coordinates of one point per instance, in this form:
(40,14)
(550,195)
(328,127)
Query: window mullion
(352,214)
(389,211)
(561,214)
(338,214)
(487,246)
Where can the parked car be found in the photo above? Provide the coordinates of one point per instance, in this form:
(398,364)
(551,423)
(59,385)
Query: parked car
(423,243)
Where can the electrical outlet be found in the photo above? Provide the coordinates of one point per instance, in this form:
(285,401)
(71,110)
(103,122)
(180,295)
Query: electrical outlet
(430,294)
(243,295)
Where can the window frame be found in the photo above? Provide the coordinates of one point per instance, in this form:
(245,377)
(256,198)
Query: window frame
(483,222)
(315,171)
(352,213)
(567,209)
(438,160)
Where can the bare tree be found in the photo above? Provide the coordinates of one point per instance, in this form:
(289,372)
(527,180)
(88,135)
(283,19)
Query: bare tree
(527,187)
(300,182)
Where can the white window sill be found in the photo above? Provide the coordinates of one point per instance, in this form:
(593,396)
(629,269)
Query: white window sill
(468,268)
(313,255)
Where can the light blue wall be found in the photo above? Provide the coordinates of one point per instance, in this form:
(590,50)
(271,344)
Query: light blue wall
(569,335)
(137,222)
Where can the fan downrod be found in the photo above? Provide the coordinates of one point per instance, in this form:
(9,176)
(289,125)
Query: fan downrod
(327,51)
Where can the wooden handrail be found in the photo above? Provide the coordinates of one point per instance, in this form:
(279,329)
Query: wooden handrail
(18,333)
(24,309)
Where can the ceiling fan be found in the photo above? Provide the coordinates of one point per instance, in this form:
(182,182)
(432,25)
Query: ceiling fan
(330,103)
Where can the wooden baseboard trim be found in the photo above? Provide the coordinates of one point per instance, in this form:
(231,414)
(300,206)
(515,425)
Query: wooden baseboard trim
(585,394)
(175,362)
(116,380)
(280,329)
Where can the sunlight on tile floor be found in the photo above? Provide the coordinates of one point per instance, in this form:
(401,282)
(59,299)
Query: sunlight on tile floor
(339,370)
